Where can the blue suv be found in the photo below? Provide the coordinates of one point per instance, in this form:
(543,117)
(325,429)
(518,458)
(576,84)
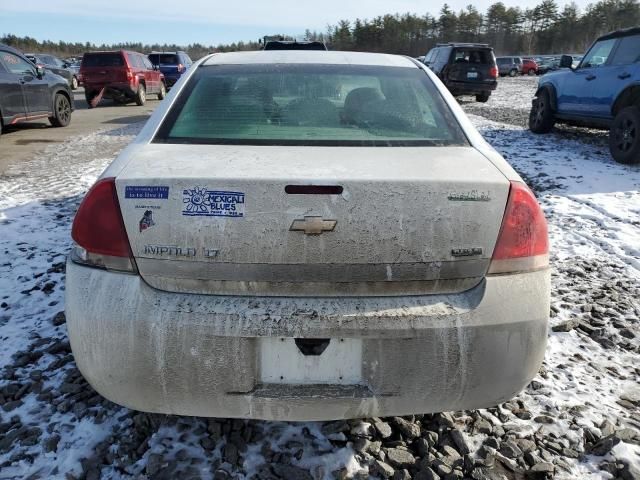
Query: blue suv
(171,64)
(603,91)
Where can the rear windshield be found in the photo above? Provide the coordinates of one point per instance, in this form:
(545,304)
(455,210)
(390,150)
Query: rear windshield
(310,105)
(102,60)
(164,59)
(475,56)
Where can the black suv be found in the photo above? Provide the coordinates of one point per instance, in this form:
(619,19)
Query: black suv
(465,68)
(57,66)
(29,92)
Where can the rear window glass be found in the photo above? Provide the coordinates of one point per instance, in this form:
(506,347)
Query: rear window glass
(164,59)
(483,57)
(102,60)
(310,105)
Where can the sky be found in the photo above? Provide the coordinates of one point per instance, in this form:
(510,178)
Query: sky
(199,21)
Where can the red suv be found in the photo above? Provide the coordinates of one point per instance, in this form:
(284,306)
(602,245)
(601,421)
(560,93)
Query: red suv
(529,66)
(121,75)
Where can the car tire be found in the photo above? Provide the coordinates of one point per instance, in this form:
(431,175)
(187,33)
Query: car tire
(163,91)
(513,73)
(531,72)
(61,111)
(483,97)
(624,136)
(541,118)
(74,83)
(141,95)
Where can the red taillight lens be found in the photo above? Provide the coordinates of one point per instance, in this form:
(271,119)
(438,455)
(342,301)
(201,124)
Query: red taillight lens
(523,242)
(180,68)
(98,230)
(493,72)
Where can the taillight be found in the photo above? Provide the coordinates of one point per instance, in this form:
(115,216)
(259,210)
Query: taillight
(523,242)
(180,68)
(493,72)
(98,230)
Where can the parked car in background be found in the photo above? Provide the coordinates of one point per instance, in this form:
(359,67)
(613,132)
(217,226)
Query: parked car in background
(603,91)
(529,66)
(217,271)
(465,68)
(548,64)
(172,65)
(30,92)
(121,75)
(293,45)
(511,66)
(57,66)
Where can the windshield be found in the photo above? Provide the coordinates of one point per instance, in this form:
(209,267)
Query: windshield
(297,104)
(102,60)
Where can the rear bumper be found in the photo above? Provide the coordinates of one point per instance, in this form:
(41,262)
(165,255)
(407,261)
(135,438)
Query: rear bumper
(112,89)
(470,88)
(202,355)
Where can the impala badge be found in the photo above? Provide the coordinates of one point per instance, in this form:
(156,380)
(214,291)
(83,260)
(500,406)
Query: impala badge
(313,225)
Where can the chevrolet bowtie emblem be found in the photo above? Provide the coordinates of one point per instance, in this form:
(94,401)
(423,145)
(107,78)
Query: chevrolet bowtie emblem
(313,225)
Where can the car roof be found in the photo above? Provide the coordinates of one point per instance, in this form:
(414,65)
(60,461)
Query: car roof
(310,57)
(625,32)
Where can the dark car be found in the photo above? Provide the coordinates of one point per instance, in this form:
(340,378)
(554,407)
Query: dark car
(603,91)
(511,66)
(465,68)
(548,64)
(293,45)
(29,92)
(57,66)
(121,75)
(171,64)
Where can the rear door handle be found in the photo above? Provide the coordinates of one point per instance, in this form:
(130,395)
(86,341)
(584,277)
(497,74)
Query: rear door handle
(624,75)
(590,77)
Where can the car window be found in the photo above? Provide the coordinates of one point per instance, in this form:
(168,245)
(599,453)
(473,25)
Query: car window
(473,56)
(103,60)
(187,59)
(628,51)
(164,59)
(17,65)
(310,105)
(599,53)
(427,57)
(146,63)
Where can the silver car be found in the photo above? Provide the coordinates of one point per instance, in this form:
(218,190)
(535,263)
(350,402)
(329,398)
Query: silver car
(308,235)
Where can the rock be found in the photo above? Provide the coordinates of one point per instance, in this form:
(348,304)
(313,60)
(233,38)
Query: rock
(383,469)
(566,326)
(545,419)
(510,450)
(230,453)
(426,474)
(483,426)
(51,443)
(460,442)
(154,464)
(407,429)
(291,472)
(544,467)
(401,475)
(383,428)
(335,427)
(431,437)
(58,319)
(526,445)
(399,458)
(605,445)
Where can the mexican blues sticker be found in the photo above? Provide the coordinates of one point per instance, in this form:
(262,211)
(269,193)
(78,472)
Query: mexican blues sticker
(147,192)
(212,203)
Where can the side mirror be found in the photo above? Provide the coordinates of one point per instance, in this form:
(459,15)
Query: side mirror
(39,71)
(566,61)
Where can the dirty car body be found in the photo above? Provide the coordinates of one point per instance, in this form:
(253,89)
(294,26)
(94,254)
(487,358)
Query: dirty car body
(304,236)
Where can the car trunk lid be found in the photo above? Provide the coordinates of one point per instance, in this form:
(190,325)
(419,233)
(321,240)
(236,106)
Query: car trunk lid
(472,66)
(103,68)
(269,220)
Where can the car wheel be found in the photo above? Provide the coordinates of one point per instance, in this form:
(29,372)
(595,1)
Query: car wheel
(513,73)
(541,119)
(531,72)
(141,95)
(624,136)
(61,111)
(74,83)
(483,97)
(163,91)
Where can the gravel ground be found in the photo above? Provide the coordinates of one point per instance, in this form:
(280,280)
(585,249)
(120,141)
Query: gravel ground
(579,418)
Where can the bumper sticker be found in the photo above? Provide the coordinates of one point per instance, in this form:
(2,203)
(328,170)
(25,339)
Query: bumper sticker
(147,192)
(199,201)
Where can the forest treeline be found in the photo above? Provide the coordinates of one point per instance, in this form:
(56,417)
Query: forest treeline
(544,29)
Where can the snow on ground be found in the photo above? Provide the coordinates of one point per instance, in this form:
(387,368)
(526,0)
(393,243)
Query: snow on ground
(579,418)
